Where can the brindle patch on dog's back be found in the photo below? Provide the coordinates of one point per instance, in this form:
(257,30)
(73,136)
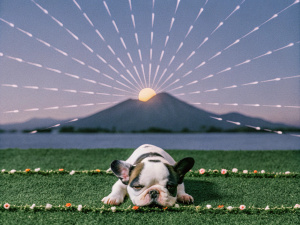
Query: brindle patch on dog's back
(135,173)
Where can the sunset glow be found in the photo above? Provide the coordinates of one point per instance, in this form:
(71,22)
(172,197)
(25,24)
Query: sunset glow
(146,93)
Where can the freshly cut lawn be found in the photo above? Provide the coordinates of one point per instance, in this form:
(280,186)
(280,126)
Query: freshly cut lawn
(90,189)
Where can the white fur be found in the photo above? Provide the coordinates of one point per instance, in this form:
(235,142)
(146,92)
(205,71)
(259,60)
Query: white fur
(157,173)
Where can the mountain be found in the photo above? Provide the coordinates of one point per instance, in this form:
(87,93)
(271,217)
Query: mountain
(162,111)
(166,112)
(30,124)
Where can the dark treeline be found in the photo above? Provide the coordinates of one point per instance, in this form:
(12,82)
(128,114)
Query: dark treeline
(202,129)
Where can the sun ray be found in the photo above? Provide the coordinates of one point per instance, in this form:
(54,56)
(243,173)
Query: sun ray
(76,37)
(246,61)
(234,85)
(51,69)
(181,43)
(255,29)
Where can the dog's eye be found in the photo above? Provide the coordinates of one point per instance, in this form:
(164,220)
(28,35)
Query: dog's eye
(138,187)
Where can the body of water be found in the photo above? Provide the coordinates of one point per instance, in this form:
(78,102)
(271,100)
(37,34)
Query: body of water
(212,141)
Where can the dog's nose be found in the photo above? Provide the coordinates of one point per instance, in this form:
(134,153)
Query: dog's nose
(153,193)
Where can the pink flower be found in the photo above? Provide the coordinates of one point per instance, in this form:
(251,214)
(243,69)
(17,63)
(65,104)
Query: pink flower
(242,207)
(202,171)
(245,171)
(223,171)
(6,206)
(297,206)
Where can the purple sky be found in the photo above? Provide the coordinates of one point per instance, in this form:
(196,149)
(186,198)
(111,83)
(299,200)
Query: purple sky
(39,55)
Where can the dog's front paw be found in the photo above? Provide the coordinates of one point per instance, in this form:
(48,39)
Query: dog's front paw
(185,198)
(113,200)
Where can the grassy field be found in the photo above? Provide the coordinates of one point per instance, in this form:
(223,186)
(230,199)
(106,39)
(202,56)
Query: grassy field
(90,189)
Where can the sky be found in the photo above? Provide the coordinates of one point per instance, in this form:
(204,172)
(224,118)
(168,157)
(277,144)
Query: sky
(69,59)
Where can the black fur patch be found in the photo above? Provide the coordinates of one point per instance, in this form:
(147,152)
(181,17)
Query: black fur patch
(183,166)
(150,154)
(172,181)
(154,160)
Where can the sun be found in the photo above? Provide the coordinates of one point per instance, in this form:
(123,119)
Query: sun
(146,93)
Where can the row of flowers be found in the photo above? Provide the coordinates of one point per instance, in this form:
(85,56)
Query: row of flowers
(207,208)
(243,173)
(191,173)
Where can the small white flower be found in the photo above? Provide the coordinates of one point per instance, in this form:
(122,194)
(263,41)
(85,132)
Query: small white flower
(32,207)
(48,206)
(245,171)
(79,207)
(208,206)
(113,209)
(72,172)
(229,207)
(3,170)
(287,172)
(12,171)
(176,206)
(234,170)
(223,171)
(262,171)
(202,171)
(6,206)
(267,208)
(297,206)
(37,169)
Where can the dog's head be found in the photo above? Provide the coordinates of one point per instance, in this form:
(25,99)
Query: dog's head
(153,180)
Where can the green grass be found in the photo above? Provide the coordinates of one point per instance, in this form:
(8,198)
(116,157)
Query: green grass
(90,189)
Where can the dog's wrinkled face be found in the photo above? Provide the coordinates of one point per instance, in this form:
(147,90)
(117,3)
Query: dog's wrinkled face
(152,180)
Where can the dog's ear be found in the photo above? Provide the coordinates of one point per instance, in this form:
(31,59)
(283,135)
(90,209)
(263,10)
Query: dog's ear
(183,166)
(122,170)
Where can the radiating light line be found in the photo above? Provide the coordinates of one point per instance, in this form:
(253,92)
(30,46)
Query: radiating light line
(245,62)
(252,126)
(181,43)
(206,39)
(246,105)
(57,107)
(75,37)
(255,29)
(249,83)
(57,71)
(57,89)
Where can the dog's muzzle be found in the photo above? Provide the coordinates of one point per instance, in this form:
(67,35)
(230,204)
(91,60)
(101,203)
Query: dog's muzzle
(153,194)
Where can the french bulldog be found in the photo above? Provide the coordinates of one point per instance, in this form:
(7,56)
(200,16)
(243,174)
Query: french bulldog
(150,176)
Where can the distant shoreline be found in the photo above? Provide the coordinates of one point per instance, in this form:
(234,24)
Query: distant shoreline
(155,130)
